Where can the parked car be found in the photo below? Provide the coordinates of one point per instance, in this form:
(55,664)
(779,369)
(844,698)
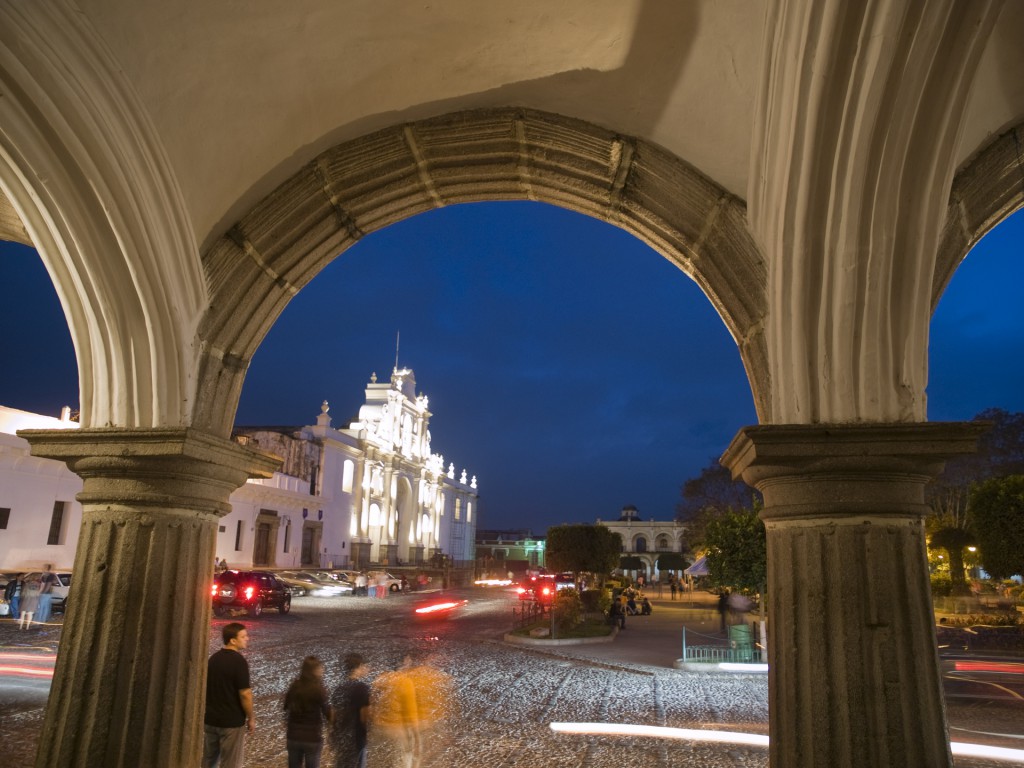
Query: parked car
(298,587)
(251,591)
(60,590)
(318,586)
(393,582)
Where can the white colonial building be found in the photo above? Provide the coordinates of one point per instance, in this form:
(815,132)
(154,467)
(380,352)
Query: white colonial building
(371,492)
(647,539)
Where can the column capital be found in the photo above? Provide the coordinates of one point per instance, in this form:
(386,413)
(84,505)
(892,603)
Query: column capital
(819,470)
(154,468)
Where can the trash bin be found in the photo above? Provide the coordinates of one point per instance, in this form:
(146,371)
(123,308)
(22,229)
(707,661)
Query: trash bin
(741,640)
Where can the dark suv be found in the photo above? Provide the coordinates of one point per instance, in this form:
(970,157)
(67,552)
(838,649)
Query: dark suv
(250,591)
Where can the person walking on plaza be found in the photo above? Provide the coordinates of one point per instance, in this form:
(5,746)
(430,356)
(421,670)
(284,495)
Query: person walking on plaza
(672,587)
(351,700)
(29,602)
(12,593)
(307,709)
(434,696)
(394,714)
(46,582)
(723,609)
(228,701)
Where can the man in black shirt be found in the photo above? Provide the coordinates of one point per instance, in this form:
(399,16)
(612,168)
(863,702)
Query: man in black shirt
(351,702)
(228,701)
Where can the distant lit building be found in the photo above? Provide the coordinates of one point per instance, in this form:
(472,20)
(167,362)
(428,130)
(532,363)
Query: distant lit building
(369,493)
(647,539)
(516,550)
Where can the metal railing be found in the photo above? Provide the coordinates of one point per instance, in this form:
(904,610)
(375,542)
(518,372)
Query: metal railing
(739,649)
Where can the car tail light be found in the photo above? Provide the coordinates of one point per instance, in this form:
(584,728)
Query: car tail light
(546,591)
(249,592)
(214,590)
(521,590)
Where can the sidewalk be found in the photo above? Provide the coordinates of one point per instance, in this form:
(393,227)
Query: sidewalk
(656,640)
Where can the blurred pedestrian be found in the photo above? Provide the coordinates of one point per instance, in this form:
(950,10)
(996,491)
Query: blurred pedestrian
(361,584)
(12,593)
(434,695)
(46,583)
(645,606)
(672,587)
(228,701)
(394,714)
(29,602)
(405,583)
(307,708)
(723,609)
(616,615)
(351,700)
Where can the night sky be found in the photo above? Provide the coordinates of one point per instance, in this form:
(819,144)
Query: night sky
(568,366)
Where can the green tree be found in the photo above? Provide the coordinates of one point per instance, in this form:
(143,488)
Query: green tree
(954,541)
(737,550)
(1000,454)
(997,518)
(710,496)
(630,563)
(583,548)
(672,561)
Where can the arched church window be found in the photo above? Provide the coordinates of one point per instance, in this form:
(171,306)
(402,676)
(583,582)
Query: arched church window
(640,545)
(347,475)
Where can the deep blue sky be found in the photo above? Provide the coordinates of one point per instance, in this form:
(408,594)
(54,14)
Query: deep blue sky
(568,366)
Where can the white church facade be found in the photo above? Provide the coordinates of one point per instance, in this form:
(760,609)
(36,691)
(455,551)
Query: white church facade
(346,497)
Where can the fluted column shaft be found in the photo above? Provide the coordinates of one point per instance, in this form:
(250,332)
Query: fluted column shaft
(128,686)
(854,677)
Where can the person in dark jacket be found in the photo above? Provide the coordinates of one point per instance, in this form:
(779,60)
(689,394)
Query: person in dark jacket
(308,708)
(351,702)
(12,594)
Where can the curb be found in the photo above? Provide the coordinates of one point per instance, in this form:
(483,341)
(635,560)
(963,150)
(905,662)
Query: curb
(733,668)
(545,642)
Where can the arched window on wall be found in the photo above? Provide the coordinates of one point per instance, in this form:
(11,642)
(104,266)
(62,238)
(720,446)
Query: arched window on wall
(640,544)
(347,475)
(375,520)
(458,508)
(662,544)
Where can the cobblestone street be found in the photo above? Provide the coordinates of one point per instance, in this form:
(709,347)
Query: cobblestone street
(507,696)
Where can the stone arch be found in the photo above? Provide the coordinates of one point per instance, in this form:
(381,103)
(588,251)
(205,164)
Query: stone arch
(98,200)
(985,191)
(363,185)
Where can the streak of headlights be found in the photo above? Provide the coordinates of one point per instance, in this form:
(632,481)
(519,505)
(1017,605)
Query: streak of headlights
(958,748)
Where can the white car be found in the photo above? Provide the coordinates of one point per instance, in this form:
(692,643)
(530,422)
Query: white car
(394,583)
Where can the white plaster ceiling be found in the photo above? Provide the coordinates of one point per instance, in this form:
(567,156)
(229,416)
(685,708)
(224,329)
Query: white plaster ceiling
(242,93)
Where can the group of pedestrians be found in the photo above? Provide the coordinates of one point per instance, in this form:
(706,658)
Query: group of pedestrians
(402,707)
(30,597)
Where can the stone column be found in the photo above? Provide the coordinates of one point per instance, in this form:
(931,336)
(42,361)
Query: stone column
(128,689)
(854,675)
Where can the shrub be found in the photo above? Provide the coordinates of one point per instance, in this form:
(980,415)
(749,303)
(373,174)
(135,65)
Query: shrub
(942,585)
(568,608)
(981,620)
(595,600)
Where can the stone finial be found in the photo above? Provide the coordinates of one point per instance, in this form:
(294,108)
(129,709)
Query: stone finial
(373,377)
(323,420)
